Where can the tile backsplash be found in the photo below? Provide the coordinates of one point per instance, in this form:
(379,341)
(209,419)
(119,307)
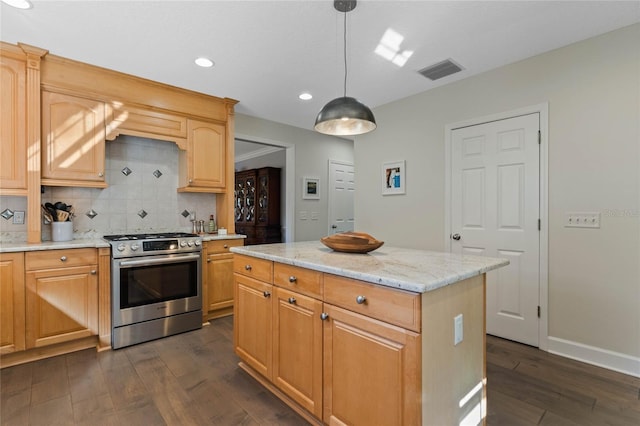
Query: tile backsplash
(141,197)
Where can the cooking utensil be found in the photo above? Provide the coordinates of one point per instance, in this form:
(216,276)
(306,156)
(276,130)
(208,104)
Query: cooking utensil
(60,206)
(46,213)
(52,211)
(62,215)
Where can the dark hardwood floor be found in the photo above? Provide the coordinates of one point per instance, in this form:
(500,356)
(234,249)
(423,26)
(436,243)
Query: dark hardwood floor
(193,379)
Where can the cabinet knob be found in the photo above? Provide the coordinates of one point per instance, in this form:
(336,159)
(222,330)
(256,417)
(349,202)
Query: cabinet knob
(100,174)
(360,300)
(292,279)
(226,246)
(247,267)
(208,260)
(190,180)
(266,293)
(292,300)
(93,272)
(324,316)
(63,259)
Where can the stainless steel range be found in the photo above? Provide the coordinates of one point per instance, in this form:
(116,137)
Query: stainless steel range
(156,286)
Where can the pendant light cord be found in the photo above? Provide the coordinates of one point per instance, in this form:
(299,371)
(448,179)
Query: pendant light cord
(345,54)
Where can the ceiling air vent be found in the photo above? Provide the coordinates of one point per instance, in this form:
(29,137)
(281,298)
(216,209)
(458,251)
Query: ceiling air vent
(441,69)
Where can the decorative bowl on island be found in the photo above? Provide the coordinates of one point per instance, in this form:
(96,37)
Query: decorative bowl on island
(351,242)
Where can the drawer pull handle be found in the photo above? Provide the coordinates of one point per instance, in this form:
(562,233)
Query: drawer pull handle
(292,300)
(93,272)
(247,267)
(63,259)
(266,294)
(292,279)
(324,316)
(360,300)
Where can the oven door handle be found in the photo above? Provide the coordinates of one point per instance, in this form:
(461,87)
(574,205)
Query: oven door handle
(158,261)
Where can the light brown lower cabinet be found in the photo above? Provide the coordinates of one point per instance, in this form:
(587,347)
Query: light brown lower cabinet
(345,352)
(11,302)
(61,297)
(217,278)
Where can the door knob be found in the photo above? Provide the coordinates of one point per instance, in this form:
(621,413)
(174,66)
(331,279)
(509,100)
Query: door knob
(334,226)
(456,237)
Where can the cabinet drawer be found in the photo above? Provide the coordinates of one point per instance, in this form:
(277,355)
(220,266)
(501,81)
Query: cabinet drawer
(221,246)
(297,279)
(48,259)
(398,307)
(260,269)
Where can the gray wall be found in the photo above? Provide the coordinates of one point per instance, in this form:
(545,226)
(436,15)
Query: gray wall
(312,154)
(593,92)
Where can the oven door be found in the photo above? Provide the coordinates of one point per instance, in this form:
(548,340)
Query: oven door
(151,287)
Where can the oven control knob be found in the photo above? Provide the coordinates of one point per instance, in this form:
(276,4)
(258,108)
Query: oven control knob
(121,247)
(183,243)
(197,243)
(134,247)
(190,243)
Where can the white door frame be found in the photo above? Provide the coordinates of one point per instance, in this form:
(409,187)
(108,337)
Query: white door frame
(290,180)
(543,110)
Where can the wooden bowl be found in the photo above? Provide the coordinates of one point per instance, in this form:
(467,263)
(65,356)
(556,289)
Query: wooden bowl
(351,242)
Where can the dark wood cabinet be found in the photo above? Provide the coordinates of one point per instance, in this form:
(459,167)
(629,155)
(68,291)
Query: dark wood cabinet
(257,205)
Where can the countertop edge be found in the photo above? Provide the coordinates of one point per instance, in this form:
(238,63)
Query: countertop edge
(86,243)
(415,287)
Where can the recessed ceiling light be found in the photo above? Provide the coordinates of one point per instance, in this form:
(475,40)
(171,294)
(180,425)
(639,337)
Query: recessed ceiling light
(20,4)
(305,96)
(204,62)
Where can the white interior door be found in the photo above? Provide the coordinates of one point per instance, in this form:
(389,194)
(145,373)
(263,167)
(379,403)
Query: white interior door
(342,187)
(495,208)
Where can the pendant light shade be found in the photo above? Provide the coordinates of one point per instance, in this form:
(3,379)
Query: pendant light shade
(345,116)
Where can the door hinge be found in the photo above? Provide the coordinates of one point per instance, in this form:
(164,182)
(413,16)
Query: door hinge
(539,137)
(538,311)
(539,224)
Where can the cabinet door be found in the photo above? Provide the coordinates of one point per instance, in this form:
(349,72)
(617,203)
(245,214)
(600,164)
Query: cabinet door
(219,282)
(13,139)
(73,134)
(297,348)
(62,305)
(11,302)
(252,323)
(206,154)
(371,371)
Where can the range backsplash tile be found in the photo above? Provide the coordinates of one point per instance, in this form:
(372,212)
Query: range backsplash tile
(117,207)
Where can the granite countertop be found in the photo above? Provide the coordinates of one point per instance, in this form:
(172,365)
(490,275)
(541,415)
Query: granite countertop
(418,271)
(86,243)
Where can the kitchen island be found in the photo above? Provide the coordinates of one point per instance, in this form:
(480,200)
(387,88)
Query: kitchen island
(393,337)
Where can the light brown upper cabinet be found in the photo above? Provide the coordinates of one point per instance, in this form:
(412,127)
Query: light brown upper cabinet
(203,164)
(13,139)
(73,141)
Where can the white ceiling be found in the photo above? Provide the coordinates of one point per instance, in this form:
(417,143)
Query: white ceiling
(268,52)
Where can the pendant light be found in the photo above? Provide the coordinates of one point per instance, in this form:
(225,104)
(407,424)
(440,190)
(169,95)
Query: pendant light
(345,116)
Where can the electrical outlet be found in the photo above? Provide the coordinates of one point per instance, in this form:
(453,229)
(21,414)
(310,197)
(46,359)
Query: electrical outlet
(457,329)
(18,218)
(303,215)
(582,220)
(314,216)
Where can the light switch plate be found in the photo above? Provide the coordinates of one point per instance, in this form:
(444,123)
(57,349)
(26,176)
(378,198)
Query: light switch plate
(457,330)
(582,220)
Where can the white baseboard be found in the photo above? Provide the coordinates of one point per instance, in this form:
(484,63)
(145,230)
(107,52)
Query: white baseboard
(597,356)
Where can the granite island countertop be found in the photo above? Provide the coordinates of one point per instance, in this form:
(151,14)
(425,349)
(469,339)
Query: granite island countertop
(413,270)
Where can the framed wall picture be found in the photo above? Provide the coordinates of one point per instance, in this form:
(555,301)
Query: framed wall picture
(310,188)
(393,178)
